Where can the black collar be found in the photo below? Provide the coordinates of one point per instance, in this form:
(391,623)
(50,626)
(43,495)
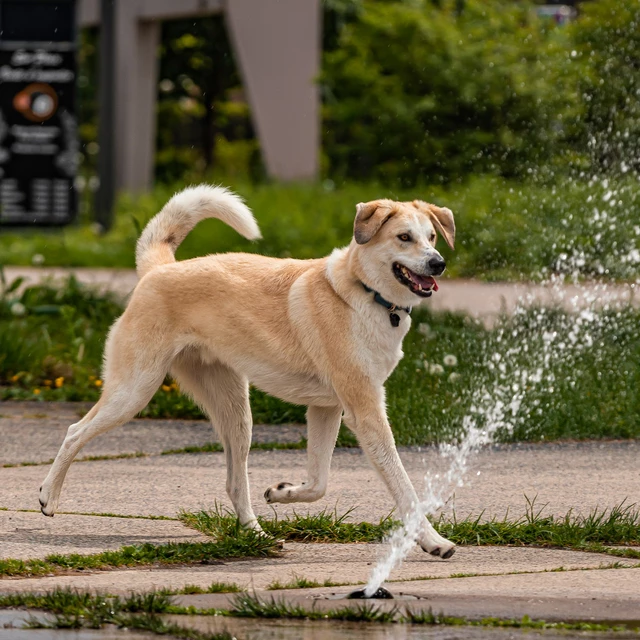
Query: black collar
(394,318)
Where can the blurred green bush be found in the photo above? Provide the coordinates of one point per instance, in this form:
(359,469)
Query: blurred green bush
(414,92)
(419,92)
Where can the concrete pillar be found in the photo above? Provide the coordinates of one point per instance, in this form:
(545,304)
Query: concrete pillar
(277,44)
(135,87)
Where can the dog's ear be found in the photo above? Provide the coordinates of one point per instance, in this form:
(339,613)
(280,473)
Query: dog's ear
(370,216)
(442,219)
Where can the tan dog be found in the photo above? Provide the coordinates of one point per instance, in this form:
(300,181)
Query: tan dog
(325,333)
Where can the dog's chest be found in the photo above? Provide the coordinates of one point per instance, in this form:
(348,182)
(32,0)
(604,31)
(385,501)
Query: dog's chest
(380,346)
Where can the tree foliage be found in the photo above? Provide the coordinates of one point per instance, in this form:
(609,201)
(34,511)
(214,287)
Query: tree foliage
(607,46)
(423,91)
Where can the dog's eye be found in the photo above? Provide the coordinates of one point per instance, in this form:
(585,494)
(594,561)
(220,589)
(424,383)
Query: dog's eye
(405,237)
(432,238)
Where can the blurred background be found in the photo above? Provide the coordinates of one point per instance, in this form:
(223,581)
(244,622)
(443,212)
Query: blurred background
(523,117)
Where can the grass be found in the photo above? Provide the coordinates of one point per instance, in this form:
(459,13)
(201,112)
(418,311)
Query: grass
(214,587)
(300,582)
(77,610)
(240,543)
(507,229)
(596,531)
(251,606)
(602,531)
(54,352)
(326,526)
(619,525)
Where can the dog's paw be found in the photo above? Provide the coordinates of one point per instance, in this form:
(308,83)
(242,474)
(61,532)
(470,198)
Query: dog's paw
(280,492)
(438,546)
(47,503)
(444,552)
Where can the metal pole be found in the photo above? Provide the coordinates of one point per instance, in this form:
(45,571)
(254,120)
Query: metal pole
(105,196)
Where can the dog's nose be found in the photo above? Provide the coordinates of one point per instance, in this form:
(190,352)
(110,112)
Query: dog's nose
(437,265)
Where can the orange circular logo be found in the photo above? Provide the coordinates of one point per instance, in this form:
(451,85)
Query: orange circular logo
(36,102)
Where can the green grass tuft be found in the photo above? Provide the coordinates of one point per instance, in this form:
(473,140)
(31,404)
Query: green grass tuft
(240,543)
(326,526)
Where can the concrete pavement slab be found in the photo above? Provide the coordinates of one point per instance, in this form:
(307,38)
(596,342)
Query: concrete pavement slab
(34,431)
(609,596)
(575,477)
(30,535)
(341,563)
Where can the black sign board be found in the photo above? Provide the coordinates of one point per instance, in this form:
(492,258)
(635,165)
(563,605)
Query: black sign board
(38,126)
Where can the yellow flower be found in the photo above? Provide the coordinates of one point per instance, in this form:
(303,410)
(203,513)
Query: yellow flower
(36,391)
(15,378)
(47,383)
(166,388)
(98,383)
(92,378)
(59,382)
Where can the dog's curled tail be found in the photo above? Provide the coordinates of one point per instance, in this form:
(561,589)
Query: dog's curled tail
(165,231)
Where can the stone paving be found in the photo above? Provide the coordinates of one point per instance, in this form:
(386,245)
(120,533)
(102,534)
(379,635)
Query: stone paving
(506,582)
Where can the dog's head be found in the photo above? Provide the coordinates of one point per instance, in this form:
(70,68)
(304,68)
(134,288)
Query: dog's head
(395,244)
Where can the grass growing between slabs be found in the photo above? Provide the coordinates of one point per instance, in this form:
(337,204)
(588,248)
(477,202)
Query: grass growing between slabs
(52,339)
(600,531)
(239,543)
(595,531)
(147,612)
(77,610)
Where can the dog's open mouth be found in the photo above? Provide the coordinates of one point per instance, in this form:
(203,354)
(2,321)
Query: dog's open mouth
(422,286)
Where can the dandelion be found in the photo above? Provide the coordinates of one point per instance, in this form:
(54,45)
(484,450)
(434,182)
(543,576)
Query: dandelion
(14,378)
(48,383)
(166,388)
(454,377)
(98,383)
(59,382)
(425,330)
(18,309)
(36,392)
(92,378)
(436,369)
(37,259)
(450,360)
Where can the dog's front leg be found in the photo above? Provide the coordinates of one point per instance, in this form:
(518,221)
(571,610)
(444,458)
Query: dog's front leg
(365,415)
(323,424)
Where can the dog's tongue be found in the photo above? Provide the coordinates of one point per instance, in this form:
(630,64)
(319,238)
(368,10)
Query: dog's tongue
(425,282)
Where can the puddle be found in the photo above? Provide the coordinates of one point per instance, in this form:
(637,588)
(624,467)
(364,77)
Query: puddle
(12,624)
(12,628)
(260,629)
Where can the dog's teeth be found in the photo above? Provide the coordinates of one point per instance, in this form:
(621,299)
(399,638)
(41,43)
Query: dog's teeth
(419,287)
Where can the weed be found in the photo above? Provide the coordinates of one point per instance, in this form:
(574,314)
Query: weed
(300,582)
(251,606)
(326,526)
(243,543)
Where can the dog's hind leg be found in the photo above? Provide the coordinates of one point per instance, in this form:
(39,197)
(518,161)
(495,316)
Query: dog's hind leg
(323,424)
(224,395)
(131,378)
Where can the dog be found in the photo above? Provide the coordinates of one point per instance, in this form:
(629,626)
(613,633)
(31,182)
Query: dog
(325,333)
